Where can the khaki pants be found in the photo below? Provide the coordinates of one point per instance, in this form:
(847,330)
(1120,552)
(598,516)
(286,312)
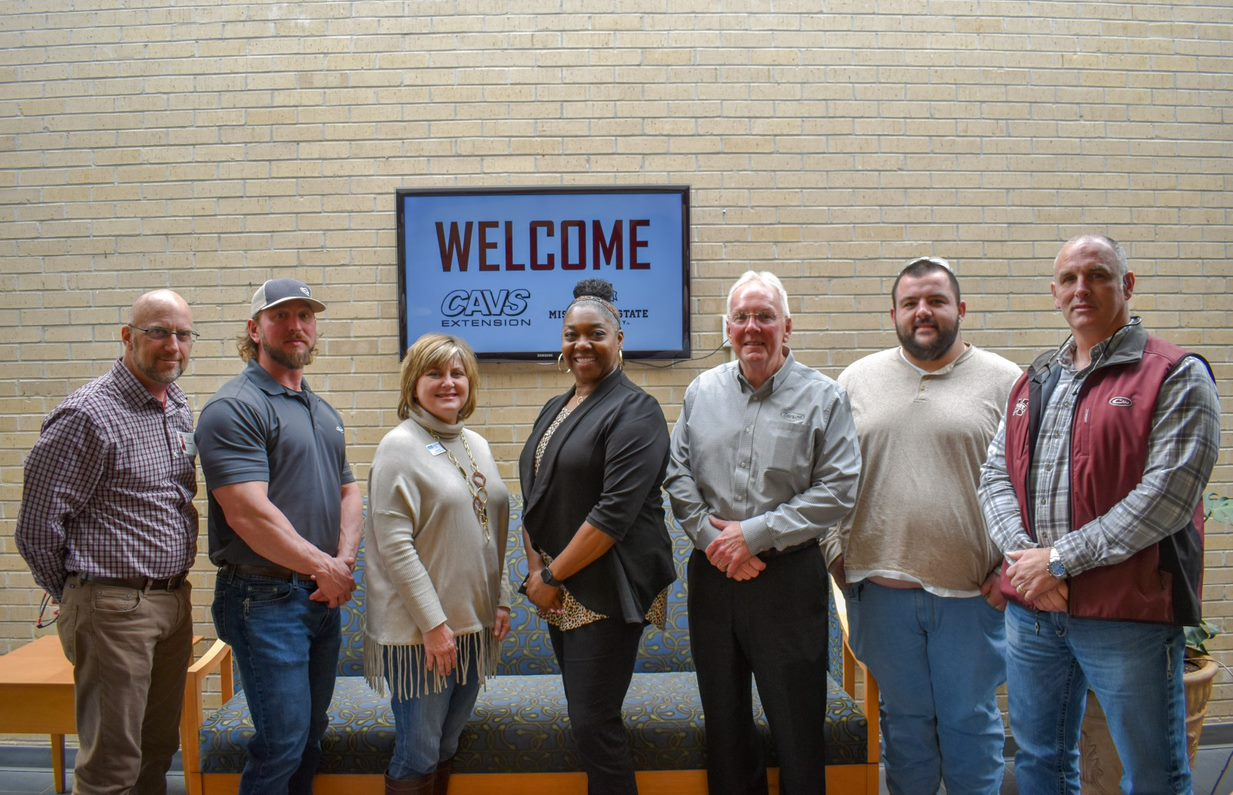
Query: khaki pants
(130,650)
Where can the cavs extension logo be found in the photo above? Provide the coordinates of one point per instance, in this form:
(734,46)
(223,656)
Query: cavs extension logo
(1121,402)
(485,308)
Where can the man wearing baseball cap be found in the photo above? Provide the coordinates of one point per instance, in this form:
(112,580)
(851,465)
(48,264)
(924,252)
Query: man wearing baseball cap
(284,523)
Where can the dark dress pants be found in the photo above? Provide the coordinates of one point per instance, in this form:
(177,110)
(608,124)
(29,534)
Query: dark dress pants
(773,627)
(597,663)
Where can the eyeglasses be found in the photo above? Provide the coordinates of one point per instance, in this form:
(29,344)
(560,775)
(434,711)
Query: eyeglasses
(160,334)
(42,622)
(761,318)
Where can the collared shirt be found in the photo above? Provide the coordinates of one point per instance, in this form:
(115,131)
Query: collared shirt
(109,485)
(255,429)
(782,459)
(1185,433)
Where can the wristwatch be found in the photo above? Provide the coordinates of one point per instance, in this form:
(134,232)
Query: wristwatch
(1056,567)
(545,574)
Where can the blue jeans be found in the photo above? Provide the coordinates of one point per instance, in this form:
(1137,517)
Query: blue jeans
(286,649)
(939,662)
(1134,669)
(427,727)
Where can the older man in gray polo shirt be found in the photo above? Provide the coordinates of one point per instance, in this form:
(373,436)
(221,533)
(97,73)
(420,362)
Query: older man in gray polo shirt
(764,459)
(285,522)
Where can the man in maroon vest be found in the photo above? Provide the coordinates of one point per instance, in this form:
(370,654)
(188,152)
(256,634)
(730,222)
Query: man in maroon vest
(1093,491)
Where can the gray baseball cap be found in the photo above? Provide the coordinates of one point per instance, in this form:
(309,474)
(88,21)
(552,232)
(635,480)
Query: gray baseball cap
(278,291)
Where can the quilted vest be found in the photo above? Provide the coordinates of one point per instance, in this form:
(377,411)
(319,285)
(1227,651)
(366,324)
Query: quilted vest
(1108,453)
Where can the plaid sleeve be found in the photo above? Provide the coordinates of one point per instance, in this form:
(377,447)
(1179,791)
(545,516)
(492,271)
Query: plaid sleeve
(61,474)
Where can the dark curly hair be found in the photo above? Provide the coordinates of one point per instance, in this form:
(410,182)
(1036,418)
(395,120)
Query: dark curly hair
(599,292)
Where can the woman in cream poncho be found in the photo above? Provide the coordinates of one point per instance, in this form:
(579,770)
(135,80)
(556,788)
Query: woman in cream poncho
(438,602)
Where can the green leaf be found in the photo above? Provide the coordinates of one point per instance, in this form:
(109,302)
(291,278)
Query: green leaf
(1219,509)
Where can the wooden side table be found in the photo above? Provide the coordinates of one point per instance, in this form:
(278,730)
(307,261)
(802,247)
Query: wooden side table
(36,696)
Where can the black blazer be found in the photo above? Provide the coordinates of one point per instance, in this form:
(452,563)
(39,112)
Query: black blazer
(604,464)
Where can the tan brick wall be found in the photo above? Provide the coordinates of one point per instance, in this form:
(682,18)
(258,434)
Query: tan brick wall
(208,148)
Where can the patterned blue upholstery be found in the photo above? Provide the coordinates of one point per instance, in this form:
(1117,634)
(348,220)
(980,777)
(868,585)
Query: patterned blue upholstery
(520,722)
(528,650)
(351,655)
(519,725)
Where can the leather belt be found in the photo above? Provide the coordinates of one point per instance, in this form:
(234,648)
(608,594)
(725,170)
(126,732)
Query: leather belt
(136,583)
(779,553)
(269,571)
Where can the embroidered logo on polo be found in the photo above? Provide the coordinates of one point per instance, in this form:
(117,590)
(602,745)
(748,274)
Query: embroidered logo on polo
(1121,402)
(1021,407)
(792,416)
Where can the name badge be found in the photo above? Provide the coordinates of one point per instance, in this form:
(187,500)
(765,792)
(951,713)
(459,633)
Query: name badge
(435,448)
(186,444)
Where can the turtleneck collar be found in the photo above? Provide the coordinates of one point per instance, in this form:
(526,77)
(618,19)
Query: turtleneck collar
(446,430)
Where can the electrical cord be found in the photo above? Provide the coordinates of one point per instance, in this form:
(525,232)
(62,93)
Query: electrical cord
(666,365)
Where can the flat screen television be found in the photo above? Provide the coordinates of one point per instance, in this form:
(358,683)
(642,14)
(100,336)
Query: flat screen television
(497,267)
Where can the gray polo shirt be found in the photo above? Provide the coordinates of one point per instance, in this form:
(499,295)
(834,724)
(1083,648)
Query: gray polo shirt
(255,429)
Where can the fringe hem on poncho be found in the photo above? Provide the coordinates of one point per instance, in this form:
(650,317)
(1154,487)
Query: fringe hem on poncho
(409,676)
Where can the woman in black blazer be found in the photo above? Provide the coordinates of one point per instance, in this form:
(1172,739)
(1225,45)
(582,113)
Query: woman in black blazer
(593,522)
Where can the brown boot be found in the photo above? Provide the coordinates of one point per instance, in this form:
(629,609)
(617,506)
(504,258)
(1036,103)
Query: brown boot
(416,785)
(442,773)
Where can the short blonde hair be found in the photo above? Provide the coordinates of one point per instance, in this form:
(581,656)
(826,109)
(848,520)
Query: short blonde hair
(437,351)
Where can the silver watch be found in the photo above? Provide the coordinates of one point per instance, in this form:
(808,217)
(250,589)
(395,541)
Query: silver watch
(1056,567)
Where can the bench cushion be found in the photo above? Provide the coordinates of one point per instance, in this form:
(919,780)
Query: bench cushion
(518,725)
(528,650)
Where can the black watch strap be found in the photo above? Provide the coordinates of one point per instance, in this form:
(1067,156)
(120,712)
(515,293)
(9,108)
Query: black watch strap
(545,574)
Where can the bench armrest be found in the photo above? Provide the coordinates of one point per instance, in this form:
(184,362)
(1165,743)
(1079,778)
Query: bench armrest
(217,658)
(850,665)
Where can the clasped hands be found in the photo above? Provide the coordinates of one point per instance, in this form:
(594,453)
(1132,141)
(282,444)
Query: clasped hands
(730,554)
(335,581)
(1029,574)
(544,596)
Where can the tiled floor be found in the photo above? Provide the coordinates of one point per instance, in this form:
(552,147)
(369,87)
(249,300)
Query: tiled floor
(28,772)
(1210,774)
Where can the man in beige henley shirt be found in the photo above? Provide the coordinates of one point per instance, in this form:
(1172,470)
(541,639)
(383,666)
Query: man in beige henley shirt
(921,572)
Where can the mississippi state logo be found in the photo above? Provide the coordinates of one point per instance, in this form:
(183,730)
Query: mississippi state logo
(1021,407)
(1121,402)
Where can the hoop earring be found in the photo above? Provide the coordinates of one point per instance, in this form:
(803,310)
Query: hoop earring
(621,358)
(560,362)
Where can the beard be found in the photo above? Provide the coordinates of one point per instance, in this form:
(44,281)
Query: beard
(161,376)
(936,350)
(292,361)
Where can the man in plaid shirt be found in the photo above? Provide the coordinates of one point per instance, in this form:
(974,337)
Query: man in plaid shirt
(1093,491)
(108,528)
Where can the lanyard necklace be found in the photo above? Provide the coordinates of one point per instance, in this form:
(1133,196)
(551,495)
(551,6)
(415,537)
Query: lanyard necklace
(477,484)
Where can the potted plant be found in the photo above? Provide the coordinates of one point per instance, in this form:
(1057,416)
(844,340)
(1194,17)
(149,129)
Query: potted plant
(1201,671)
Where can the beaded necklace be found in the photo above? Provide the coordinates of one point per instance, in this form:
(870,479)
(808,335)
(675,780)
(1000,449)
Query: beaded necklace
(477,483)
